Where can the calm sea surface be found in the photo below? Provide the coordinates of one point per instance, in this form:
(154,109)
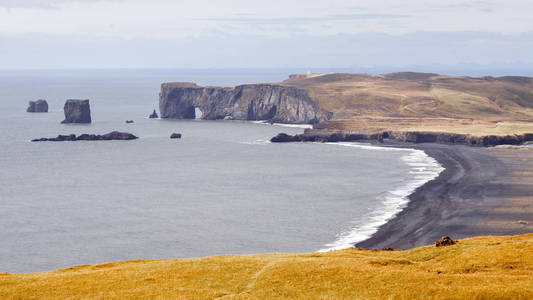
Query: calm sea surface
(221,189)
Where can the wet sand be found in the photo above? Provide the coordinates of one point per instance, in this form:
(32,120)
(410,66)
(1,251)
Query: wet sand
(482,191)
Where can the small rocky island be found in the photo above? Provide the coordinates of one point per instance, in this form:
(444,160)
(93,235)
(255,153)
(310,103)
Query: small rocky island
(153,115)
(115,135)
(38,106)
(77,111)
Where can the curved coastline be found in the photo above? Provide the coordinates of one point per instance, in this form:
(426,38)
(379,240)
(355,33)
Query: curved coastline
(450,204)
(423,169)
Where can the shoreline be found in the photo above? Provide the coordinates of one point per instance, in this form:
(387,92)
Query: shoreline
(456,203)
(422,169)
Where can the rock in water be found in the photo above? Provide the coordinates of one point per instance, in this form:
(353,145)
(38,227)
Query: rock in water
(115,135)
(175,136)
(38,106)
(445,241)
(284,138)
(154,115)
(77,111)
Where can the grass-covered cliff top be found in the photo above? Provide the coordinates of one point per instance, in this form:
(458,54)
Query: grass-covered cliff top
(422,102)
(477,268)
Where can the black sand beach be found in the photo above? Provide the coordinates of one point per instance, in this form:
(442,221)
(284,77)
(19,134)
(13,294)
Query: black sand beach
(470,191)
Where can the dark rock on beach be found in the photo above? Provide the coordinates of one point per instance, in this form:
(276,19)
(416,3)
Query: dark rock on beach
(38,106)
(445,241)
(153,115)
(77,111)
(115,135)
(175,136)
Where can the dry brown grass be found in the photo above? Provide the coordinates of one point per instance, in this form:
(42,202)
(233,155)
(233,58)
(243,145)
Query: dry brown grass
(423,102)
(478,268)
(412,124)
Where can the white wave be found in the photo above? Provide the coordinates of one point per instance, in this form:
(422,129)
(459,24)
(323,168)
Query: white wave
(303,126)
(423,167)
(257,142)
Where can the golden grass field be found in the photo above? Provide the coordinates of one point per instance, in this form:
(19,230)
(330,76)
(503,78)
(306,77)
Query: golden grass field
(476,268)
(422,102)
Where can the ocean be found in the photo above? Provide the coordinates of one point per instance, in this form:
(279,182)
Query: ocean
(221,189)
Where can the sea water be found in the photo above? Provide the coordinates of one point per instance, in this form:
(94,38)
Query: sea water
(221,189)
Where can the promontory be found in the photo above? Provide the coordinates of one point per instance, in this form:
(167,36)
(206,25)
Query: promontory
(272,102)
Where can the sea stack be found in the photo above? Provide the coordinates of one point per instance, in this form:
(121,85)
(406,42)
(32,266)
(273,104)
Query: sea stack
(154,115)
(38,106)
(77,111)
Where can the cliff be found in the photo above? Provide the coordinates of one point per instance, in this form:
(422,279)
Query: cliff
(276,103)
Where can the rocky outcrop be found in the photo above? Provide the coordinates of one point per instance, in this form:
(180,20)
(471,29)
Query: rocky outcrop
(272,102)
(285,138)
(409,137)
(153,115)
(115,135)
(445,241)
(38,106)
(77,111)
(175,136)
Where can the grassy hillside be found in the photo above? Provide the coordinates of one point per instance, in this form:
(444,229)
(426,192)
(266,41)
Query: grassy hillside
(477,268)
(423,102)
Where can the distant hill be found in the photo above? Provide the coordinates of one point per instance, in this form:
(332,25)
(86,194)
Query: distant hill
(422,101)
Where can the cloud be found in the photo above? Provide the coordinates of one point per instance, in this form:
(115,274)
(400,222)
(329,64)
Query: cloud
(244,51)
(42,4)
(171,19)
(289,20)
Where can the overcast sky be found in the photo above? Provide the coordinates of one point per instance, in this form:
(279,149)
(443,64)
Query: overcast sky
(274,33)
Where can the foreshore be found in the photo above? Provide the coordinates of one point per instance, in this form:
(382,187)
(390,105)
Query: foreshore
(482,191)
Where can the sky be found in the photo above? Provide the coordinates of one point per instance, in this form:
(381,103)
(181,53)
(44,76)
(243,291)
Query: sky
(265,34)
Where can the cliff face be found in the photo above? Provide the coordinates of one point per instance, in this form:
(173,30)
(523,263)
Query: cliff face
(276,103)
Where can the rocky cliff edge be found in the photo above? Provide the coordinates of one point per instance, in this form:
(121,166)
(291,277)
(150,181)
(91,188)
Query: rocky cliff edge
(272,102)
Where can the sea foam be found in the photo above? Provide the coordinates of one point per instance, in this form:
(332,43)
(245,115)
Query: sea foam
(303,126)
(423,168)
